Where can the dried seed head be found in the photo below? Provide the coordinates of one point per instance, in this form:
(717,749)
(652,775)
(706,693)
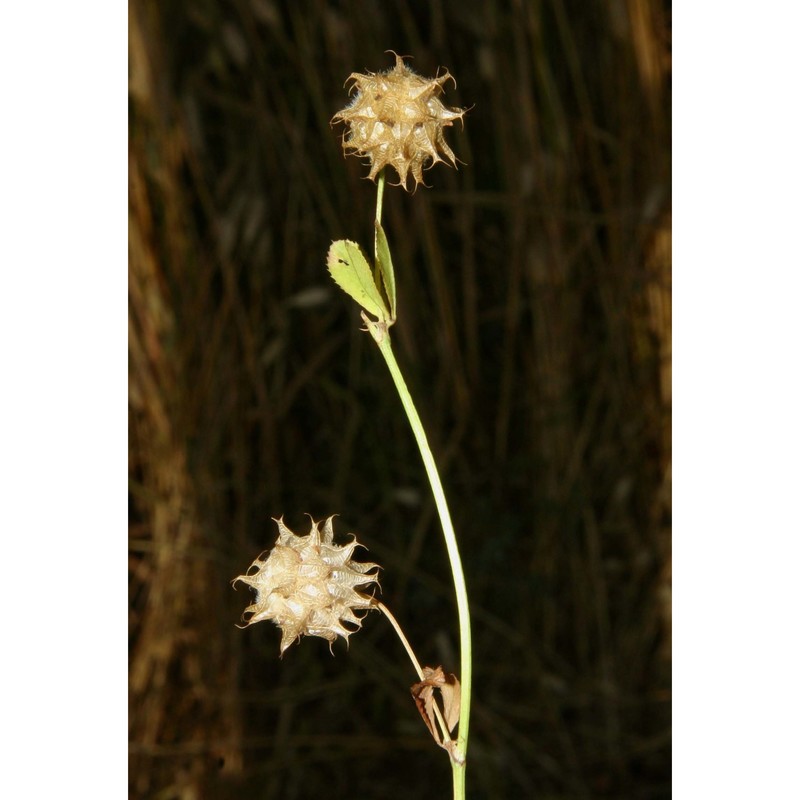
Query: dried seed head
(396,118)
(307,585)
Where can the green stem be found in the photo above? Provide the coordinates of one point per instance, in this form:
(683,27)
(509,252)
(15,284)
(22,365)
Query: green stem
(381,336)
(459,781)
(379,205)
(380,333)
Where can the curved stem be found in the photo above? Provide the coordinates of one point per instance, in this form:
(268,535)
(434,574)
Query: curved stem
(381,336)
(380,333)
(399,631)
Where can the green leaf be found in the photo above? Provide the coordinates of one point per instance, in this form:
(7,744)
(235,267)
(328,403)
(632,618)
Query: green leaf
(383,259)
(349,268)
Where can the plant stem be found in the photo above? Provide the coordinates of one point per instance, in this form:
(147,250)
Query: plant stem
(381,336)
(458,754)
(379,205)
(399,631)
(380,333)
(385,346)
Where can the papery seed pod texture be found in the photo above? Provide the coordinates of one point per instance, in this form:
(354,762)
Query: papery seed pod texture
(396,118)
(308,586)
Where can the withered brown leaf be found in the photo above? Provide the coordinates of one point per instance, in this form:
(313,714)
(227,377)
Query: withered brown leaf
(450,692)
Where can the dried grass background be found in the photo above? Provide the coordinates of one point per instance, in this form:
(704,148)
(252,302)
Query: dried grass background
(534,292)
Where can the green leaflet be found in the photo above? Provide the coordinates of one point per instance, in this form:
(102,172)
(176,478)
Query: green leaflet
(384,262)
(349,268)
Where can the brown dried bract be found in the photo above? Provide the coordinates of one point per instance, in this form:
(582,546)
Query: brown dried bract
(450,692)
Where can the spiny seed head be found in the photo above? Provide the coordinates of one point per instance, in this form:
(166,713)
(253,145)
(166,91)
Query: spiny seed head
(397,118)
(307,585)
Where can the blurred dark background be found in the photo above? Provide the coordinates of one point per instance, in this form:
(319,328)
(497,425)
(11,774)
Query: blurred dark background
(534,331)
